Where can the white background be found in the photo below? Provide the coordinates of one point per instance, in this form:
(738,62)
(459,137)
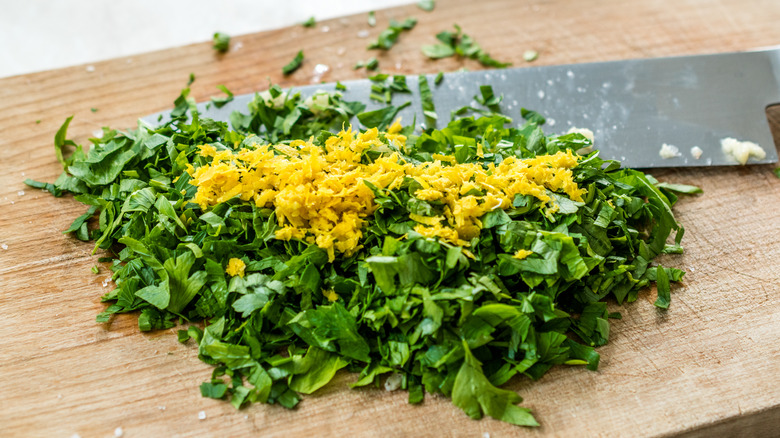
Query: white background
(38,35)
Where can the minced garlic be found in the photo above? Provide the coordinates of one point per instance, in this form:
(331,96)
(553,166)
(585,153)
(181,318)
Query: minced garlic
(319,195)
(741,151)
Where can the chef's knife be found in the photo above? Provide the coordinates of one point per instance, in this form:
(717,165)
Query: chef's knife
(633,107)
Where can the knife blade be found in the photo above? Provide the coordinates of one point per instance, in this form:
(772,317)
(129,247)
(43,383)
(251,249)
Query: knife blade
(632,106)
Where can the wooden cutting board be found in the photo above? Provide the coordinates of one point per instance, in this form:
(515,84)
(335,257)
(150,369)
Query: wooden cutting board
(710,365)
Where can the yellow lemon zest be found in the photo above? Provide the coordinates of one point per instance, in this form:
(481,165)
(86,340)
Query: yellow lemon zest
(235,267)
(320,196)
(330,294)
(522,253)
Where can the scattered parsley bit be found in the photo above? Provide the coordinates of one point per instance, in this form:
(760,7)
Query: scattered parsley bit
(426,5)
(460,44)
(371,18)
(426,98)
(487,98)
(530,55)
(295,64)
(382,90)
(679,188)
(213,390)
(191,79)
(777,172)
(311,22)
(440,250)
(38,121)
(95,270)
(219,102)
(439,78)
(662,284)
(388,37)
(370,64)
(221,42)
(94,110)
(49,187)
(341,87)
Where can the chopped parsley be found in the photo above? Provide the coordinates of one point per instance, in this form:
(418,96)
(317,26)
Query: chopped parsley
(311,22)
(426,98)
(219,102)
(221,42)
(370,64)
(443,261)
(460,44)
(293,65)
(426,5)
(388,37)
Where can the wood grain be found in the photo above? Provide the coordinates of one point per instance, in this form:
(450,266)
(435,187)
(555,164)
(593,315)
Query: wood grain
(708,366)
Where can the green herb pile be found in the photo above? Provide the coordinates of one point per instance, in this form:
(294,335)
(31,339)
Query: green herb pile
(410,311)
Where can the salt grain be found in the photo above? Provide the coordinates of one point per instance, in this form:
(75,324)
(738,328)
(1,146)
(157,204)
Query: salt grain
(540,94)
(362,33)
(325,29)
(668,151)
(118,432)
(4,246)
(570,74)
(341,51)
(202,415)
(319,70)
(90,68)
(20,193)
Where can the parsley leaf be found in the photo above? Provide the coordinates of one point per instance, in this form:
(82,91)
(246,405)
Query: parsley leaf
(460,44)
(426,5)
(219,102)
(474,393)
(293,65)
(388,37)
(221,42)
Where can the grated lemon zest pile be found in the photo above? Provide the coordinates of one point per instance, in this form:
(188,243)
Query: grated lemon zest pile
(235,267)
(319,195)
